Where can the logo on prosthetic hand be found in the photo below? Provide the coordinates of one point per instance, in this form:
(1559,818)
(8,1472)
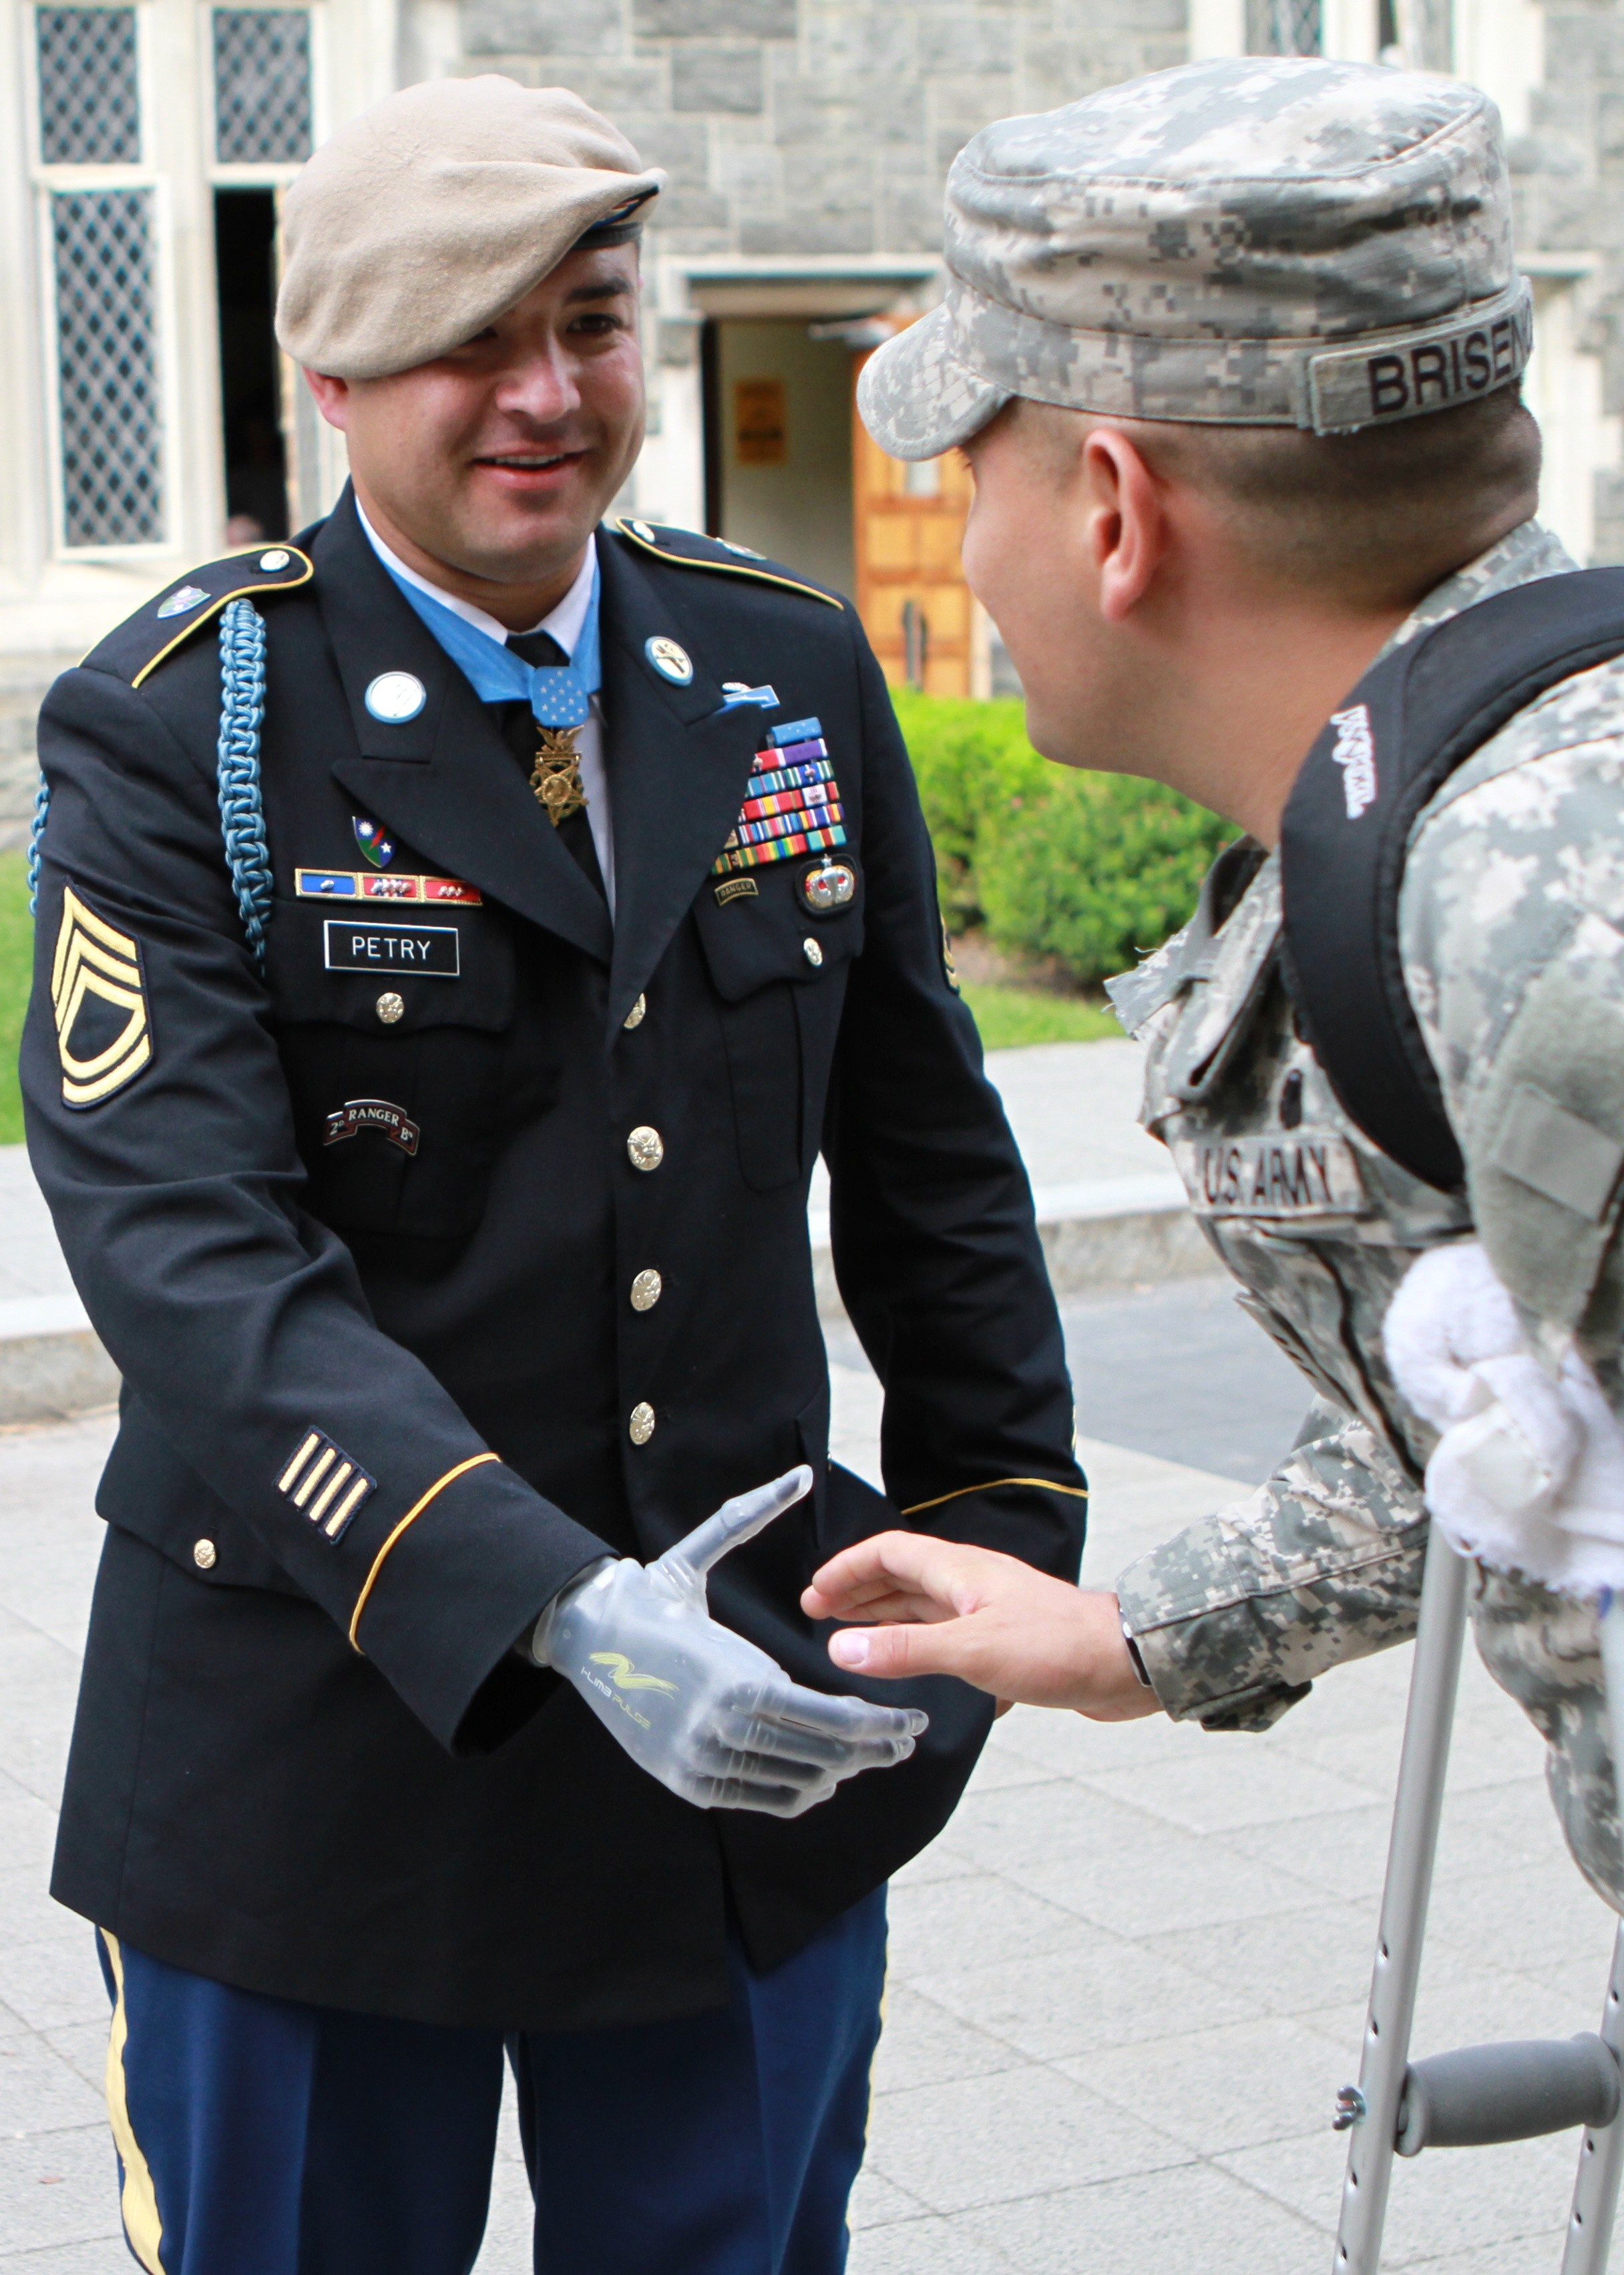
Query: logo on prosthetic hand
(625,1677)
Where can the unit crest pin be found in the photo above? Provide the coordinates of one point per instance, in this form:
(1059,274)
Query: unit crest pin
(373,839)
(182,603)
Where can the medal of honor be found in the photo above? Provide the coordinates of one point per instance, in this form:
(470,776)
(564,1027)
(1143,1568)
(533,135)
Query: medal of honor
(556,776)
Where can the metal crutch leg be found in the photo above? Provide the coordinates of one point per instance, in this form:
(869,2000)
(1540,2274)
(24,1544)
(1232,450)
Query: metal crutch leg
(1601,2151)
(1372,2108)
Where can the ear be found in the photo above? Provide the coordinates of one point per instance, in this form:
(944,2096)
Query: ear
(332,397)
(1127,525)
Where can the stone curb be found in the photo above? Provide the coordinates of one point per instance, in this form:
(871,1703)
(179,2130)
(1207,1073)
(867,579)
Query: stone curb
(52,1363)
(1100,1237)
(1108,1234)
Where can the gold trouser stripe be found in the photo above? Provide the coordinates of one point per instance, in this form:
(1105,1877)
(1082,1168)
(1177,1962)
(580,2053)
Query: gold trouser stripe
(475,1462)
(138,2200)
(1043,1485)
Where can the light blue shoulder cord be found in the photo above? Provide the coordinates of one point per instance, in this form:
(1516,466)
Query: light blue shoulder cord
(42,807)
(242,811)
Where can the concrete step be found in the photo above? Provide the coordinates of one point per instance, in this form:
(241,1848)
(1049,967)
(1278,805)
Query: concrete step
(51,1362)
(1072,1106)
(1105,1233)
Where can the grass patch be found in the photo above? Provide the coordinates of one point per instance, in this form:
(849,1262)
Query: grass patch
(16,971)
(1010,1016)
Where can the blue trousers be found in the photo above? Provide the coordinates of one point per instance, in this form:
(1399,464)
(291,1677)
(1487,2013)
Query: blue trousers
(257,2136)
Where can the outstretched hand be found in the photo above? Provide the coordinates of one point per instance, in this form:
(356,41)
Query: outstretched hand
(939,1607)
(697,1705)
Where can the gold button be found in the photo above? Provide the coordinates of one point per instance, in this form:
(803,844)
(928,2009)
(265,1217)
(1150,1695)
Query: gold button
(647,1290)
(274,560)
(641,1426)
(638,1012)
(390,1006)
(203,1554)
(812,950)
(645,1146)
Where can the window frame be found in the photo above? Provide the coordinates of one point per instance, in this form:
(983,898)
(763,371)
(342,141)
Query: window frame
(48,180)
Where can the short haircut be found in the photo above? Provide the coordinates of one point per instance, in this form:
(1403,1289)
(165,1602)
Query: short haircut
(1376,517)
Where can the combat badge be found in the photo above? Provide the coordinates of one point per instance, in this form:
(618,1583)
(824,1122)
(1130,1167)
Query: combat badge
(99,999)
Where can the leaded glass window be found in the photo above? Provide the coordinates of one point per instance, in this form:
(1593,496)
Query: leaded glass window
(107,364)
(90,98)
(1283,28)
(261,85)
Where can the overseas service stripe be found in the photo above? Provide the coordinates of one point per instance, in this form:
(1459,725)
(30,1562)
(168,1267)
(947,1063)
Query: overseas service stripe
(319,1473)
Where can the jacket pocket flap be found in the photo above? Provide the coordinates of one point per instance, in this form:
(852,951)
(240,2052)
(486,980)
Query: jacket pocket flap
(772,931)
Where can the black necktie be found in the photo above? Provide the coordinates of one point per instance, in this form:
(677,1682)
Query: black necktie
(518,727)
(538,649)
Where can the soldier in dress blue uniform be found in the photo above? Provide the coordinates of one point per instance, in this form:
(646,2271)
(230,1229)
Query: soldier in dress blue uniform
(460,931)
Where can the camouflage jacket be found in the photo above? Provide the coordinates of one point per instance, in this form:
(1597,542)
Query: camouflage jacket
(1512,927)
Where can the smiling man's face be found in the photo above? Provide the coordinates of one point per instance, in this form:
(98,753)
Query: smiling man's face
(489,469)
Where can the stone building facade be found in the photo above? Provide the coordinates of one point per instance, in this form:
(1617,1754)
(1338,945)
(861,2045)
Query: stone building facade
(144,144)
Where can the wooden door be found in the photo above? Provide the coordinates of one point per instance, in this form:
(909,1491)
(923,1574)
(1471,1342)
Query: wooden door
(908,521)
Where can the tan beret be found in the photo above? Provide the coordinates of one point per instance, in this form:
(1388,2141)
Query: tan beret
(436,209)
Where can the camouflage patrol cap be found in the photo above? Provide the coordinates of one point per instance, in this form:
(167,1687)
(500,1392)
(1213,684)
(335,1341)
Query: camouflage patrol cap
(1266,241)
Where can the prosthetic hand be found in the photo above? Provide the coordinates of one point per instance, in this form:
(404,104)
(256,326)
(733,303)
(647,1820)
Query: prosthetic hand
(700,1708)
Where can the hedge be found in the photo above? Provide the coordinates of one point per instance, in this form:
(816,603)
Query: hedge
(1092,870)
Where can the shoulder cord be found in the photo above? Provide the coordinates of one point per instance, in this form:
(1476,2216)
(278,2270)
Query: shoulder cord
(242,811)
(42,807)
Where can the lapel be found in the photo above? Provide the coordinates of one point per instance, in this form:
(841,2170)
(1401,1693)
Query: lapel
(444,781)
(677,763)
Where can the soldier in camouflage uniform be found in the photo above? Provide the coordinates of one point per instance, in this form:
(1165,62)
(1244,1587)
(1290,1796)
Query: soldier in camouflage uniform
(1271,245)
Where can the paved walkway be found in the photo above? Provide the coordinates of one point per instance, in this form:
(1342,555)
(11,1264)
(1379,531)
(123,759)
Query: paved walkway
(1126,1982)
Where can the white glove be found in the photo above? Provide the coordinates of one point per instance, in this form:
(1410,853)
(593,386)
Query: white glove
(1528,1474)
(695,1705)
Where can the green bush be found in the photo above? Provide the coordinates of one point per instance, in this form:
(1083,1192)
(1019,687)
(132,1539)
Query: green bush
(970,759)
(1093,870)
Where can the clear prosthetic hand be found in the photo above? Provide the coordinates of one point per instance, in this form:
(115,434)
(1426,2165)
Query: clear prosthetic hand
(707,1713)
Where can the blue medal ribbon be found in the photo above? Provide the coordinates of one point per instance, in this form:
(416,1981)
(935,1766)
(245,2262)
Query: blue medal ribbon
(560,695)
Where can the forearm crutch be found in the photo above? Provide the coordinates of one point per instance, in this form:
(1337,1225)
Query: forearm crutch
(1479,2094)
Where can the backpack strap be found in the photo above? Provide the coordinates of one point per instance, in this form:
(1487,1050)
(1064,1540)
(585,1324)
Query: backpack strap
(1415,717)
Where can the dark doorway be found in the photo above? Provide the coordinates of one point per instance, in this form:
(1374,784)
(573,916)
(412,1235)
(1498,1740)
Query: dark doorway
(256,492)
